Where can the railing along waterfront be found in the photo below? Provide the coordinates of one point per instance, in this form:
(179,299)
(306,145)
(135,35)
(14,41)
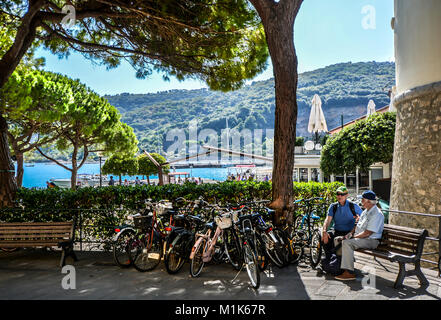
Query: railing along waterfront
(431,238)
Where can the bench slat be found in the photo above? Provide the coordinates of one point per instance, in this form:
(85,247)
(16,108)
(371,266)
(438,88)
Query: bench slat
(394,244)
(30,224)
(40,231)
(35,236)
(35,227)
(401,228)
(28,244)
(400,237)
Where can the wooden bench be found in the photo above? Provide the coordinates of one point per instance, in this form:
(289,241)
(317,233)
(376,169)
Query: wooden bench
(402,245)
(39,234)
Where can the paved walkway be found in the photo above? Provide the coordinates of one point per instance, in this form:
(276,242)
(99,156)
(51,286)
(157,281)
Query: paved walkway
(34,274)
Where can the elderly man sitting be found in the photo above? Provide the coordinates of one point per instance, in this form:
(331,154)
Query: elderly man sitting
(367,234)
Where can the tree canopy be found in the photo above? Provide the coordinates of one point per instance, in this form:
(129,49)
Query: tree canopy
(219,42)
(360,145)
(121,164)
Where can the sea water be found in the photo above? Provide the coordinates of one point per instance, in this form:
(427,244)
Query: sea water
(37,175)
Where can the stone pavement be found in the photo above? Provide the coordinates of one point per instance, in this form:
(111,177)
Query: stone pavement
(34,274)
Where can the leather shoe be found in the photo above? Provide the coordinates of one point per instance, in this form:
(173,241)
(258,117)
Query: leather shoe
(346,275)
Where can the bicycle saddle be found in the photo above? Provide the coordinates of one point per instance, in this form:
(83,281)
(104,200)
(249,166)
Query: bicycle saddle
(211,225)
(179,217)
(195,219)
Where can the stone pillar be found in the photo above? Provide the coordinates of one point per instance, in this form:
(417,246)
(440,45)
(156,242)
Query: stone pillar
(416,172)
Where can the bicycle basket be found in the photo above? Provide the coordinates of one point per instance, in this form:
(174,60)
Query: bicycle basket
(163,208)
(142,222)
(224,221)
(235,216)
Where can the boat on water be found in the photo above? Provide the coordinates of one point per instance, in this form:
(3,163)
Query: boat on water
(250,171)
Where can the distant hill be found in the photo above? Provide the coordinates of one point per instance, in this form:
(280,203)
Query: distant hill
(344,88)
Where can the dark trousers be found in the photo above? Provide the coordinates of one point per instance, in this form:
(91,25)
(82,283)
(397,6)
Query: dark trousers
(328,247)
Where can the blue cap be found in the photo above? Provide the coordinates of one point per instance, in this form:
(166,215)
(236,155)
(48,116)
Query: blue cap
(370,195)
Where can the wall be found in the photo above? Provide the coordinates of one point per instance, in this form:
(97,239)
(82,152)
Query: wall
(417,43)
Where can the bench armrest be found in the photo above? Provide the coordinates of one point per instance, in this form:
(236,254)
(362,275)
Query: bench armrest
(396,257)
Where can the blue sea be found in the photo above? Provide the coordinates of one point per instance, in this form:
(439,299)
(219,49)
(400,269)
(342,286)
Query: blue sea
(37,175)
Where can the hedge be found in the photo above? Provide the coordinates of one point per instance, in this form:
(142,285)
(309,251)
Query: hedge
(102,208)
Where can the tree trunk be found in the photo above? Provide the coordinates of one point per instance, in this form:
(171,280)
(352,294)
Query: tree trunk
(8,185)
(148,180)
(23,40)
(73,179)
(20,168)
(278,21)
(25,36)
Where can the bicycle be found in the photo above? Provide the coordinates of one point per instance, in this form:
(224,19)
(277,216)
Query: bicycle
(147,246)
(207,247)
(249,250)
(121,251)
(180,241)
(306,233)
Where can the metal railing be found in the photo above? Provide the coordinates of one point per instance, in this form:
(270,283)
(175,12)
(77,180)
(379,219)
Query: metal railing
(431,238)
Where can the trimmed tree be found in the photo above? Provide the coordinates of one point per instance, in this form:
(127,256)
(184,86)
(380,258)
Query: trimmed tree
(90,125)
(147,168)
(360,145)
(32,102)
(121,164)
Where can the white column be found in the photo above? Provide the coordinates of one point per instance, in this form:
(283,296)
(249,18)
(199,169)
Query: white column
(309,174)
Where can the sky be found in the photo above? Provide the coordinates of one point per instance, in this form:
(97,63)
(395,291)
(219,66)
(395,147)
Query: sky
(326,32)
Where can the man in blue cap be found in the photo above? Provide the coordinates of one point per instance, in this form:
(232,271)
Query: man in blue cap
(367,234)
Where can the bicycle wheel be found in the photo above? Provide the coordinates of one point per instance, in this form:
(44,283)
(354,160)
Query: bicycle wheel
(262,259)
(292,251)
(315,248)
(232,248)
(251,266)
(197,263)
(175,257)
(148,253)
(272,245)
(296,248)
(122,254)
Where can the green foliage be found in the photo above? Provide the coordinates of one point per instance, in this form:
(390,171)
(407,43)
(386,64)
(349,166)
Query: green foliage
(219,42)
(146,166)
(103,208)
(300,141)
(133,197)
(121,164)
(366,142)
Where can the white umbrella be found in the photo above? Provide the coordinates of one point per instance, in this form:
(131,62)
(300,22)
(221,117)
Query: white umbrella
(317,121)
(370,108)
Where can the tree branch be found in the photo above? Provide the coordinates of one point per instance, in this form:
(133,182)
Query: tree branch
(52,159)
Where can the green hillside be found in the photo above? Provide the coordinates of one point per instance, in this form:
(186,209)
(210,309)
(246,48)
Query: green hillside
(344,89)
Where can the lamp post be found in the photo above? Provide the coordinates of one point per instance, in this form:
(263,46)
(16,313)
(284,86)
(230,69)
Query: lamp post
(100,155)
